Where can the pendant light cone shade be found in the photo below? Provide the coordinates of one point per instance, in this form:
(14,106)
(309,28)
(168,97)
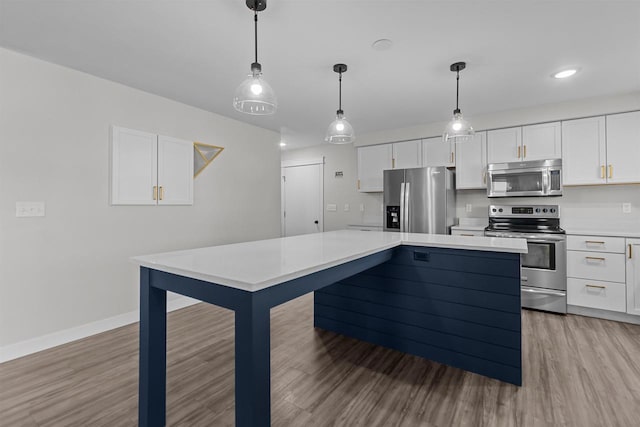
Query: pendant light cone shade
(340,130)
(254,95)
(458,129)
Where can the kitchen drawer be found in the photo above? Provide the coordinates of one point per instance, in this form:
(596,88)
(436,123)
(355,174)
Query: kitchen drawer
(596,266)
(596,244)
(597,294)
(460,232)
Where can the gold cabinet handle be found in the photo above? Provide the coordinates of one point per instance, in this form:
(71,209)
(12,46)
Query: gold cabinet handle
(610,171)
(358,184)
(593,242)
(602,172)
(452,157)
(518,151)
(393,163)
(594,258)
(524,150)
(630,249)
(155,192)
(596,286)
(484,177)
(161,192)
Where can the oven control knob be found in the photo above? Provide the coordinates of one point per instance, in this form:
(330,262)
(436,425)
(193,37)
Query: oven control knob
(500,210)
(552,210)
(493,210)
(537,210)
(544,210)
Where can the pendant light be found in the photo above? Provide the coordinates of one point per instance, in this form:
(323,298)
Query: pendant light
(458,129)
(340,130)
(254,95)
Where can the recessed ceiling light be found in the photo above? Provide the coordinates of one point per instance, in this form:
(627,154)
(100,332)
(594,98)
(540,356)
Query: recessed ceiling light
(565,73)
(283,144)
(382,44)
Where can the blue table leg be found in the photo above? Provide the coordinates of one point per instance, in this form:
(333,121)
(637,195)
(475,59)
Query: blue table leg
(153,353)
(253,366)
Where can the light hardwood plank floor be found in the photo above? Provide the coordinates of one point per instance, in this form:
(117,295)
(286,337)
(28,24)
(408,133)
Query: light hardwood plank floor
(578,371)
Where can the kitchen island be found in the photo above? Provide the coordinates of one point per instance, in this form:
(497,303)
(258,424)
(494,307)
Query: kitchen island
(452,299)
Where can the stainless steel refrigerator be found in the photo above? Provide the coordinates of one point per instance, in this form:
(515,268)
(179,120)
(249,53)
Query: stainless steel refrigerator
(420,200)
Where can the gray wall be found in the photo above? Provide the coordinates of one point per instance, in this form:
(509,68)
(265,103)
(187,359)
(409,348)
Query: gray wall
(71,267)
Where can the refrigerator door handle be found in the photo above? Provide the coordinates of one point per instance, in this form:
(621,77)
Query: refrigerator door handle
(406,207)
(401,207)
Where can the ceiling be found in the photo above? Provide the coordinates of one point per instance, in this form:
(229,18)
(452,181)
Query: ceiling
(197,52)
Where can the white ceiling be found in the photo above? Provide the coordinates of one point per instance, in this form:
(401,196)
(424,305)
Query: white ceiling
(197,52)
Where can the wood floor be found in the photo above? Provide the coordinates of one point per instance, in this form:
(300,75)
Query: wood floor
(578,371)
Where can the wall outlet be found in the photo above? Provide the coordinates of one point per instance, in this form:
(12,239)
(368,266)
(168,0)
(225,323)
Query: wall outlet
(29,209)
(332,207)
(468,207)
(626,208)
(346,207)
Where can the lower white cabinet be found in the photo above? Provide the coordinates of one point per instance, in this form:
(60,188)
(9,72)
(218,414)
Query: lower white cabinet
(463,232)
(149,169)
(633,276)
(597,294)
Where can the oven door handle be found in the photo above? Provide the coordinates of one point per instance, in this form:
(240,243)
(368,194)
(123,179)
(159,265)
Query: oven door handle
(546,240)
(544,292)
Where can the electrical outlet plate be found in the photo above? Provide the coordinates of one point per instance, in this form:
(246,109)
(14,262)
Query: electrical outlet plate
(346,207)
(626,208)
(469,207)
(332,207)
(29,209)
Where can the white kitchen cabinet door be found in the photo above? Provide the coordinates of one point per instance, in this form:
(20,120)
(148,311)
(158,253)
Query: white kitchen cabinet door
(175,171)
(633,276)
(623,148)
(407,154)
(372,160)
(471,162)
(584,151)
(435,152)
(504,145)
(134,165)
(542,142)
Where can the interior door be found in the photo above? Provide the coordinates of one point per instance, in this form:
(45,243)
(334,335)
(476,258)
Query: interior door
(302,199)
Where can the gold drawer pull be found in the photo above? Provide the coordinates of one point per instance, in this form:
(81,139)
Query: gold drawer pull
(594,258)
(466,234)
(596,286)
(593,242)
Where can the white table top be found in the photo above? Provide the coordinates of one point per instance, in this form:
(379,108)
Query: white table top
(252,266)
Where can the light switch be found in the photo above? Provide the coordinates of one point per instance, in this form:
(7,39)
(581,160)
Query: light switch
(469,207)
(29,209)
(626,208)
(332,207)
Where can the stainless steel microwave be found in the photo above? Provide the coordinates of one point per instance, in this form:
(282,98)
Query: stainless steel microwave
(535,178)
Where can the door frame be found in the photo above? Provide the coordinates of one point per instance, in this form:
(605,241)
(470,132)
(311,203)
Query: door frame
(295,163)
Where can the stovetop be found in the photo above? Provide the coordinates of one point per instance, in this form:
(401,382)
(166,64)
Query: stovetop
(525,219)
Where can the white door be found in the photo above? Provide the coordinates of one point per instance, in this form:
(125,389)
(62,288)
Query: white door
(471,162)
(584,151)
(504,145)
(372,160)
(175,171)
(633,276)
(407,154)
(302,199)
(436,152)
(623,148)
(541,142)
(134,167)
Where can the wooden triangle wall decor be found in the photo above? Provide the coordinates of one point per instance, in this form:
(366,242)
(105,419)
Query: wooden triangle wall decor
(203,154)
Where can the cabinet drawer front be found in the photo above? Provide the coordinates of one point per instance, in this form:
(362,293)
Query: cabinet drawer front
(467,233)
(596,266)
(596,294)
(596,244)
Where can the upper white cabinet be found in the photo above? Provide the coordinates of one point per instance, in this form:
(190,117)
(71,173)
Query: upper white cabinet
(148,169)
(372,160)
(471,162)
(504,145)
(633,276)
(435,152)
(584,151)
(623,148)
(533,142)
(407,154)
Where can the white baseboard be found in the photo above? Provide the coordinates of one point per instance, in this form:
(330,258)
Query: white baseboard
(34,345)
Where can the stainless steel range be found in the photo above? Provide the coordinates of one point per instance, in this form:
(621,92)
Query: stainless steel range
(544,267)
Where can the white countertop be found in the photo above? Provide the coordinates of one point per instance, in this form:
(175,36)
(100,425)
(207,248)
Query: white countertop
(252,266)
(600,227)
(602,232)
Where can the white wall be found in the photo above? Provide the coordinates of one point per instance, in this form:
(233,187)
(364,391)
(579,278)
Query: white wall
(579,204)
(71,267)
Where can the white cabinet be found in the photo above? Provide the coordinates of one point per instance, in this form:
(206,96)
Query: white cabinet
(407,154)
(504,145)
(596,276)
(436,152)
(471,162)
(623,148)
(541,142)
(584,151)
(517,144)
(372,160)
(148,169)
(633,276)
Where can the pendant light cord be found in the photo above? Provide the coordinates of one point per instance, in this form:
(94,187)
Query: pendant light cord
(340,93)
(255,23)
(457,88)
